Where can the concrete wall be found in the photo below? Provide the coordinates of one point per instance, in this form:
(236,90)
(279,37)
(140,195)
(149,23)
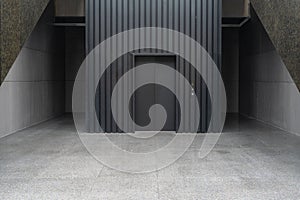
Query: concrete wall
(70,8)
(33,90)
(235,8)
(267,91)
(230,67)
(75,54)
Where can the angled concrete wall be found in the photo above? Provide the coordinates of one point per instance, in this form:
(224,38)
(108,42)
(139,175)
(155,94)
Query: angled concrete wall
(33,90)
(18,18)
(267,91)
(281,20)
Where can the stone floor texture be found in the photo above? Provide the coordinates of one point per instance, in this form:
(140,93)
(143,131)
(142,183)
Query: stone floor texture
(250,161)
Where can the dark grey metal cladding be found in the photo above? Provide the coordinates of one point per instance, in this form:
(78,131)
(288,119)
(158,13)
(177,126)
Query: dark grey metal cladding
(200,19)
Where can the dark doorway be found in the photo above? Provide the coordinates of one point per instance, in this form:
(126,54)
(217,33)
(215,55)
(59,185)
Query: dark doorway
(152,94)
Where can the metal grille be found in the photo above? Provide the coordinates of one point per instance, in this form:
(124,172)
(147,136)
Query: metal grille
(199,19)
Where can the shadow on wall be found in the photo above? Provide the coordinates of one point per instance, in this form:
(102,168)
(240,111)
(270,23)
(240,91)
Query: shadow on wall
(74,56)
(230,67)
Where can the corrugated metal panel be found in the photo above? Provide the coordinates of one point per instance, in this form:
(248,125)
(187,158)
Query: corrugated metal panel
(199,19)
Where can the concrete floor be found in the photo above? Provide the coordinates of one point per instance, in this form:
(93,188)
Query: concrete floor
(250,161)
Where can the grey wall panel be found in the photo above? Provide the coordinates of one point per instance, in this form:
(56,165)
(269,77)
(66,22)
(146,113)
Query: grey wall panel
(199,19)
